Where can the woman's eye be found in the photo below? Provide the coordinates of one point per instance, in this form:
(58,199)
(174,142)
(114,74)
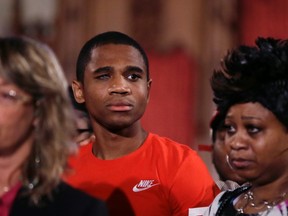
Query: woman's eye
(252,129)
(229,129)
(9,97)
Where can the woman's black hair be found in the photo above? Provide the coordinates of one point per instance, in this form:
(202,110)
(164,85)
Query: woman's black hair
(254,74)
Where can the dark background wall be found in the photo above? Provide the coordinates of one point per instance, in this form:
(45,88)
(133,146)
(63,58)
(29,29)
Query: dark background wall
(184,39)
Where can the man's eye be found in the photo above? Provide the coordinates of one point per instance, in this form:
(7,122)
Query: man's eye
(134,77)
(103,77)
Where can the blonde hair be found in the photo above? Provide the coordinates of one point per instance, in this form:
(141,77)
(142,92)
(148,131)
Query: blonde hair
(33,67)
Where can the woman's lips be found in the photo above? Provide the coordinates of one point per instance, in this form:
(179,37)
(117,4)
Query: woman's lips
(240,163)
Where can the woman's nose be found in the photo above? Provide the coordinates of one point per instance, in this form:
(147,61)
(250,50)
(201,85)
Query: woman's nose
(237,142)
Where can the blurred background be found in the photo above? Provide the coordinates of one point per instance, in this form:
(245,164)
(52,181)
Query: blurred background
(185,40)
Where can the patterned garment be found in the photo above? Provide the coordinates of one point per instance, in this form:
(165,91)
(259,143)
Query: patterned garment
(223,205)
(227,185)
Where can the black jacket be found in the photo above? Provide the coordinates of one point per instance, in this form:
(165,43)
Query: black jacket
(66,201)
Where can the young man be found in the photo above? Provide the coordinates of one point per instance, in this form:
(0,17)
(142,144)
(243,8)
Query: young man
(136,172)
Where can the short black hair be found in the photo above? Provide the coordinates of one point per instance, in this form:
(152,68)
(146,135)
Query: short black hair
(110,37)
(254,74)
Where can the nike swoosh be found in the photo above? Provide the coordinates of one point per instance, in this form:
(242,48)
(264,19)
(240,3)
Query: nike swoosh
(136,189)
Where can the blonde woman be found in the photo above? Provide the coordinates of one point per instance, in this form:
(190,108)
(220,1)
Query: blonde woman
(36,133)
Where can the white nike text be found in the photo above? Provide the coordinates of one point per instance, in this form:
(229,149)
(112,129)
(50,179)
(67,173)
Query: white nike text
(144,185)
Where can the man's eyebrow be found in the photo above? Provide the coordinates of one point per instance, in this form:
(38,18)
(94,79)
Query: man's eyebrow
(128,69)
(102,69)
(134,68)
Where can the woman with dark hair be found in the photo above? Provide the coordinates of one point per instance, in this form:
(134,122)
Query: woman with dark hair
(251,90)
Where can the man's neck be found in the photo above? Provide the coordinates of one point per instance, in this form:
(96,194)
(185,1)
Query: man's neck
(109,146)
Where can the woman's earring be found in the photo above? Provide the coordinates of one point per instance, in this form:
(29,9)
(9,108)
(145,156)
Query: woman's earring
(228,162)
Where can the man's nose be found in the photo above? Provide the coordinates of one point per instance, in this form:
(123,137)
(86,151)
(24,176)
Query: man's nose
(119,86)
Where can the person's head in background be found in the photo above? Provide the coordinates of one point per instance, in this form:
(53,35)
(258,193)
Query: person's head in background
(36,118)
(219,150)
(83,125)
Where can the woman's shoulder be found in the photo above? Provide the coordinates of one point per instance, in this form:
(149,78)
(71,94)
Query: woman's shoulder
(223,202)
(79,201)
(63,200)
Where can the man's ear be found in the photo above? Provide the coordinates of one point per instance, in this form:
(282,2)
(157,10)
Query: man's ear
(78,91)
(149,83)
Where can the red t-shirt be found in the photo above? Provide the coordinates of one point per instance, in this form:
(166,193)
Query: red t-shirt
(162,177)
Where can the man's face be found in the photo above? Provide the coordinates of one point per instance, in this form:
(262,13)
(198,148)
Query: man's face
(115,86)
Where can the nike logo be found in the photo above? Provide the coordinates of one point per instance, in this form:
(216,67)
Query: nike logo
(144,185)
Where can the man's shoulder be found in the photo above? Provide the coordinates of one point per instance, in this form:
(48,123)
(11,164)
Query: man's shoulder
(85,149)
(166,141)
(170,146)
(81,156)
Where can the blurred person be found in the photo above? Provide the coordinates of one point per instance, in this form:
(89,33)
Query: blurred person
(228,179)
(136,172)
(36,131)
(252,89)
(83,125)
